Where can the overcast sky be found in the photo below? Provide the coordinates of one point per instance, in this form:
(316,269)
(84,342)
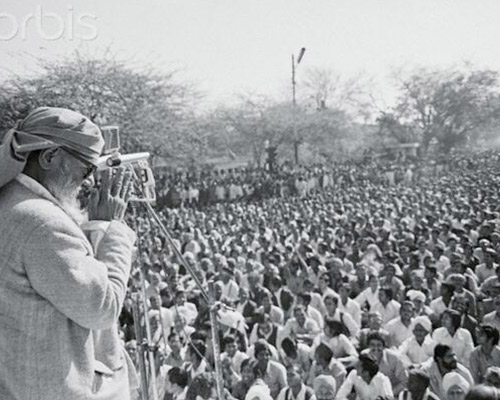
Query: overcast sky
(230,46)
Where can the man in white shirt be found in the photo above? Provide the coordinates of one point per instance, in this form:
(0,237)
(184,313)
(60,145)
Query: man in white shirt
(183,308)
(487,269)
(418,387)
(439,305)
(296,390)
(401,328)
(301,327)
(387,307)
(165,315)
(493,318)
(348,305)
(230,289)
(232,353)
(366,380)
(177,383)
(420,347)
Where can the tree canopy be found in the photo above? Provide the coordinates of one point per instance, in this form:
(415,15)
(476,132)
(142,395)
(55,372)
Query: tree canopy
(449,107)
(151,108)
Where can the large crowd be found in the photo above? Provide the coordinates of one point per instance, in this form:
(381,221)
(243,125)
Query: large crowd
(363,280)
(201,188)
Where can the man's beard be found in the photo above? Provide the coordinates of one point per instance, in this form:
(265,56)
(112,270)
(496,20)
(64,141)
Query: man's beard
(67,191)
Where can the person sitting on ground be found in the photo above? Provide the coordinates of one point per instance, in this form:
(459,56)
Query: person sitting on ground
(367,381)
(455,386)
(420,347)
(272,372)
(343,349)
(443,362)
(374,325)
(401,328)
(293,352)
(326,364)
(325,387)
(453,335)
(301,327)
(177,384)
(486,354)
(331,303)
(387,306)
(418,387)
(296,388)
(389,362)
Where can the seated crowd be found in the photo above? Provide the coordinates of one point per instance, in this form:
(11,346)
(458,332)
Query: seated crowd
(363,290)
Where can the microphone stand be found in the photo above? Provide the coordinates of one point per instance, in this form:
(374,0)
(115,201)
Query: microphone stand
(209,298)
(147,340)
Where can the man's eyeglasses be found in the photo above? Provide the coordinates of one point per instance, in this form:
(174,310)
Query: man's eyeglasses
(91,168)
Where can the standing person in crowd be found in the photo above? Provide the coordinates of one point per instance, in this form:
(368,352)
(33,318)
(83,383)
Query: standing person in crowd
(61,295)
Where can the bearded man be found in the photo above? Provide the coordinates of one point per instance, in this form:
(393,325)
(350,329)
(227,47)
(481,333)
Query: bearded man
(60,295)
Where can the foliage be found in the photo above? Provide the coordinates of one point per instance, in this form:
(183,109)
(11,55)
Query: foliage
(258,122)
(390,127)
(328,89)
(448,106)
(152,109)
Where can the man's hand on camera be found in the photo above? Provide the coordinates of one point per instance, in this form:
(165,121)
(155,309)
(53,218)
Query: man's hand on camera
(109,202)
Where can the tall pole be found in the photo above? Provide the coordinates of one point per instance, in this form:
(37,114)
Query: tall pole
(294,101)
(294,110)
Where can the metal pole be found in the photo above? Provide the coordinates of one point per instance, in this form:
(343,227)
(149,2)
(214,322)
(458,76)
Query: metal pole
(142,295)
(215,341)
(140,353)
(209,298)
(148,339)
(293,81)
(294,124)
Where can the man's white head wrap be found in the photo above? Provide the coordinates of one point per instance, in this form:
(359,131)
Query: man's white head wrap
(44,128)
(416,295)
(424,322)
(325,386)
(259,392)
(452,379)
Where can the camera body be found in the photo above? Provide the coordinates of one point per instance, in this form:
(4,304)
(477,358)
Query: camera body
(144,188)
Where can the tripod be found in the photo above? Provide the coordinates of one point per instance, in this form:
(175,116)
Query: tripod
(148,381)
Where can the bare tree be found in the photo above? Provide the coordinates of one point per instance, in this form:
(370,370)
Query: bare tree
(325,88)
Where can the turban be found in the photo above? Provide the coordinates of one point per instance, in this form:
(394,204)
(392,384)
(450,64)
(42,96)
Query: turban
(416,295)
(424,322)
(258,391)
(325,386)
(452,379)
(44,128)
